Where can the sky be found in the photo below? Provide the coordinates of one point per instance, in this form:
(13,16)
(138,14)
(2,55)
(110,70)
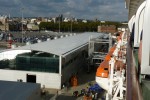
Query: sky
(113,10)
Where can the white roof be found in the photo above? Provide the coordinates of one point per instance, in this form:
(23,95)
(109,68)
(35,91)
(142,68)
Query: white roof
(62,46)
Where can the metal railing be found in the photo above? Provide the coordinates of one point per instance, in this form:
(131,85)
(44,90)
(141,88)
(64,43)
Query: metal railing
(133,91)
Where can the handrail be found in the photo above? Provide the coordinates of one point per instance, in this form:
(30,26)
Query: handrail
(133,91)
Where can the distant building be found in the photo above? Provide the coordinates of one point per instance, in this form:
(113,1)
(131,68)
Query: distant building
(107,28)
(32,27)
(54,19)
(84,21)
(123,27)
(4,23)
(32,20)
(66,19)
(14,26)
(59,18)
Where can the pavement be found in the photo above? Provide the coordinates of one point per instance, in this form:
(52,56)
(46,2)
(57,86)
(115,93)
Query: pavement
(66,94)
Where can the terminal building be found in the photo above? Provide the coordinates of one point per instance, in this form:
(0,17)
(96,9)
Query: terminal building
(49,63)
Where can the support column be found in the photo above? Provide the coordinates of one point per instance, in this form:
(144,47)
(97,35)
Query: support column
(60,69)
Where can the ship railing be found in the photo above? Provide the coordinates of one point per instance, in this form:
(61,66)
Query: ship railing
(134,91)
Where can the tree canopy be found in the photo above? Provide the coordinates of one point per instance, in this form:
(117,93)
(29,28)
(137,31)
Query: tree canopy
(74,26)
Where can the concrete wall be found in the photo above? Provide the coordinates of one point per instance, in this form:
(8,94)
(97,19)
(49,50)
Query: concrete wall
(50,80)
(77,64)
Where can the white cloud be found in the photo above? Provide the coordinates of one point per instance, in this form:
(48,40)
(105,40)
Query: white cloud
(78,8)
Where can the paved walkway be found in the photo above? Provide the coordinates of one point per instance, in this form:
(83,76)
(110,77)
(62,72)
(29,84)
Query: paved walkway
(66,94)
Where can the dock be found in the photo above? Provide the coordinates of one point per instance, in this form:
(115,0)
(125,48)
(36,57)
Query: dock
(66,94)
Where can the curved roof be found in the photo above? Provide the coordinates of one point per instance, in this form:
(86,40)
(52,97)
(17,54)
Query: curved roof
(62,46)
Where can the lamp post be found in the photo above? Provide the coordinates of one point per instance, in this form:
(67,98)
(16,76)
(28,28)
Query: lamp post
(22,23)
(59,23)
(71,24)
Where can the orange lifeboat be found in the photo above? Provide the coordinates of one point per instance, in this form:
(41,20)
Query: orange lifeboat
(102,75)
(112,49)
(103,69)
(107,57)
(110,53)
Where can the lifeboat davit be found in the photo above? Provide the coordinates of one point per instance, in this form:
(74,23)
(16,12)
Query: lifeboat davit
(119,65)
(119,37)
(102,75)
(121,54)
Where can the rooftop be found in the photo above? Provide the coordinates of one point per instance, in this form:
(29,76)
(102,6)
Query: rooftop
(62,46)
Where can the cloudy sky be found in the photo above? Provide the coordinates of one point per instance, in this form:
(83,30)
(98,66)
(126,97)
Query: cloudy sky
(86,9)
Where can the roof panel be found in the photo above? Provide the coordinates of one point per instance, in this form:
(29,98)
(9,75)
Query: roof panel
(62,45)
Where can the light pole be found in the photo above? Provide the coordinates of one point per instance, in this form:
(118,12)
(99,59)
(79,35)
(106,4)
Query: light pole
(22,23)
(59,23)
(71,24)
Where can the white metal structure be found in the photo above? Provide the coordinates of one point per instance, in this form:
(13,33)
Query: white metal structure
(114,84)
(116,78)
(132,6)
(95,47)
(145,60)
(139,19)
(131,22)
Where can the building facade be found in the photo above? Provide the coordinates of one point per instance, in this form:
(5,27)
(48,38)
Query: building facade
(49,63)
(4,26)
(107,28)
